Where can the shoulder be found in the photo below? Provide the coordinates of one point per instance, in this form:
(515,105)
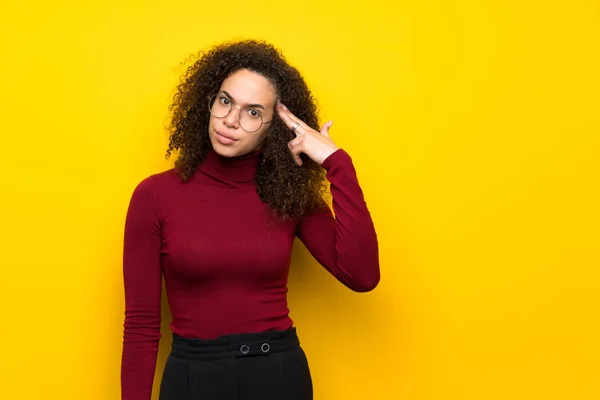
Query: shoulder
(150,194)
(151,185)
(159,179)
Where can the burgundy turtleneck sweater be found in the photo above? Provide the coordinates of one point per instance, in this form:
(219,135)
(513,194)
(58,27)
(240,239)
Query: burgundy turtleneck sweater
(224,261)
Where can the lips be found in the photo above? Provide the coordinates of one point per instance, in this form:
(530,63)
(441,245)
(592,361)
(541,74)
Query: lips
(224,135)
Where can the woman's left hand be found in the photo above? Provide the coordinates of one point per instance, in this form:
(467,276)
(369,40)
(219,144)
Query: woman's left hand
(317,145)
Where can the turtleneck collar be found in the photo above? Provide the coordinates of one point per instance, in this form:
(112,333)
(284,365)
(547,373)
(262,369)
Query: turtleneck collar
(231,169)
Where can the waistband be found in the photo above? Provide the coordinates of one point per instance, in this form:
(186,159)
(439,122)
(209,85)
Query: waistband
(237,345)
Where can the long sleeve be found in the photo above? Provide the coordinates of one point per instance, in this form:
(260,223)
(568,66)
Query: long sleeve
(142,284)
(346,245)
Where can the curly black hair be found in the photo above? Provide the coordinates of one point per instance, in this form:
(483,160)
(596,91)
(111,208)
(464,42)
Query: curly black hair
(291,192)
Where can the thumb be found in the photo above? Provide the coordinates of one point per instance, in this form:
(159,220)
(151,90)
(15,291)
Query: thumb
(326,127)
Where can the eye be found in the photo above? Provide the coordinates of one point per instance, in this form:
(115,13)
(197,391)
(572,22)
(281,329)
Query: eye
(254,113)
(224,100)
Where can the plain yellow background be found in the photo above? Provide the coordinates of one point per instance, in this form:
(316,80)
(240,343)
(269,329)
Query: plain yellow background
(475,130)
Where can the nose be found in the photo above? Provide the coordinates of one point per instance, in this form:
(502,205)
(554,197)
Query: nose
(232,120)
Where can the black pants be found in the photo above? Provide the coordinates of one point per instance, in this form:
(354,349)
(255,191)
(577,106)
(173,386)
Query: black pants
(254,366)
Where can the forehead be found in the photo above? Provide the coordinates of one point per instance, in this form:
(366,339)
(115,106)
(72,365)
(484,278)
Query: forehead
(248,87)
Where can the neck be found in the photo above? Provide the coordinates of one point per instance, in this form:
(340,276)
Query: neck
(231,169)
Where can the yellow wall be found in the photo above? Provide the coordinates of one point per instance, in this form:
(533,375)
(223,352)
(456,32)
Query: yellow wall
(475,129)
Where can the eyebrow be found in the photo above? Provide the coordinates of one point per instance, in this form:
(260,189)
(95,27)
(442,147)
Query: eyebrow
(247,105)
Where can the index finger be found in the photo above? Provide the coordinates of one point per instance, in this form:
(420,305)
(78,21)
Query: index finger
(290,120)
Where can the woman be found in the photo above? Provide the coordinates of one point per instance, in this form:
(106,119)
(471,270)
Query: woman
(219,227)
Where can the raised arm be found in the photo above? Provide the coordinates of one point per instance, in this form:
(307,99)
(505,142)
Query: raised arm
(346,245)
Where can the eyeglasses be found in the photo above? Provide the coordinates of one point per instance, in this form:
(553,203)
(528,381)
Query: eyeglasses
(250,119)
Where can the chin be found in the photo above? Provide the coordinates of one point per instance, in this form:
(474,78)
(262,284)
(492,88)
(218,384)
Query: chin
(223,150)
